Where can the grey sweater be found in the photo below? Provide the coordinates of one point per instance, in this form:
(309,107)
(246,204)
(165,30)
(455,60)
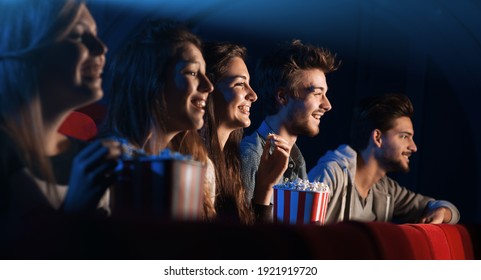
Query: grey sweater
(390,200)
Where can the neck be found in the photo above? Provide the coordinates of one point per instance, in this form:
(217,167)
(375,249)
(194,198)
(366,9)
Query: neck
(157,141)
(278,126)
(368,172)
(55,142)
(223,134)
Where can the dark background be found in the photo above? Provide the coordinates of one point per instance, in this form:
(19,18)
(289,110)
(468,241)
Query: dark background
(429,50)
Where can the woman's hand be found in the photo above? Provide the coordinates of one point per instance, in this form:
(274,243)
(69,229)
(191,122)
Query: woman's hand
(92,172)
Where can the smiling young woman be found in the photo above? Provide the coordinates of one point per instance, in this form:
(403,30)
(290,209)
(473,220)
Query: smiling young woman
(226,116)
(51,62)
(158,92)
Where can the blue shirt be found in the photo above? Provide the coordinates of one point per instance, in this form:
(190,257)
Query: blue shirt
(251,149)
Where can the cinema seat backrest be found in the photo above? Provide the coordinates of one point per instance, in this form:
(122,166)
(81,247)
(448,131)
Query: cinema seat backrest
(80,126)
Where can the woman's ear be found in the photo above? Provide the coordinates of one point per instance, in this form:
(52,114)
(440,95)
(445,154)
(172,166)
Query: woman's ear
(376,137)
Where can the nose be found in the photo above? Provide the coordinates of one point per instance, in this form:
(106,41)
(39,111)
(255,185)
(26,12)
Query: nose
(205,85)
(412,146)
(251,94)
(325,104)
(95,45)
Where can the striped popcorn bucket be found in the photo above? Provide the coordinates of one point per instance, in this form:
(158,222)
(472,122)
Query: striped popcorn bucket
(159,188)
(300,207)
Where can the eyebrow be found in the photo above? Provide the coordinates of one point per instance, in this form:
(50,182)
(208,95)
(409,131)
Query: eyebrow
(85,25)
(236,77)
(313,88)
(406,132)
(187,62)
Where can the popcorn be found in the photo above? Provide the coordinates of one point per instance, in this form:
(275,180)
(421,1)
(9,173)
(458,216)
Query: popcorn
(273,144)
(303,185)
(300,202)
(164,186)
(169,154)
(130,152)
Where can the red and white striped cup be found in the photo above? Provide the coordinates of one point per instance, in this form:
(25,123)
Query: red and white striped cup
(159,188)
(298,207)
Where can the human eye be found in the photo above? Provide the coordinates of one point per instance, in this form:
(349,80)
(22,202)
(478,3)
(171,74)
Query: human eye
(317,91)
(191,69)
(190,72)
(77,33)
(319,94)
(240,84)
(75,36)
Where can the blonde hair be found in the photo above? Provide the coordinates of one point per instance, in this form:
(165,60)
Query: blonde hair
(26,28)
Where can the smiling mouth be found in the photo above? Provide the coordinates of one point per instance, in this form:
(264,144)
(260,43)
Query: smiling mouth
(317,116)
(92,70)
(199,103)
(244,109)
(406,156)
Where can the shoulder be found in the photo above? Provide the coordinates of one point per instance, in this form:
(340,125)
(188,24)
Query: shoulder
(251,140)
(324,166)
(210,168)
(251,144)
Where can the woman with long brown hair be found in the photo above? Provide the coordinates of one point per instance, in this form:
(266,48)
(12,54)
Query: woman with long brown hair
(228,112)
(158,92)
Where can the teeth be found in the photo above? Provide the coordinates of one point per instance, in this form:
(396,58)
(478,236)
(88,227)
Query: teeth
(245,108)
(200,104)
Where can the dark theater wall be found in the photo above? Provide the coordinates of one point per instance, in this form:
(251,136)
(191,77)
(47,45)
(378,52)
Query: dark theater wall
(429,50)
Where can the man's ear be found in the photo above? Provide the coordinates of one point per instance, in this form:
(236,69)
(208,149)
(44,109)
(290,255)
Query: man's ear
(376,137)
(282,96)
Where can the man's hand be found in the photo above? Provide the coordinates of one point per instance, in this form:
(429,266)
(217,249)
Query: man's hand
(271,168)
(437,216)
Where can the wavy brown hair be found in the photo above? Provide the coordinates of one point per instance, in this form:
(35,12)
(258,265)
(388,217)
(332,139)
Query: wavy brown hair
(137,86)
(137,80)
(230,200)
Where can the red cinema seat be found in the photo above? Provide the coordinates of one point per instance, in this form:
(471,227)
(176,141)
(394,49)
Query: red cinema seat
(341,241)
(392,241)
(459,245)
(437,242)
(80,126)
(418,243)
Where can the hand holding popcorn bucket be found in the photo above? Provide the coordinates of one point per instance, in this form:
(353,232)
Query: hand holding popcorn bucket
(300,202)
